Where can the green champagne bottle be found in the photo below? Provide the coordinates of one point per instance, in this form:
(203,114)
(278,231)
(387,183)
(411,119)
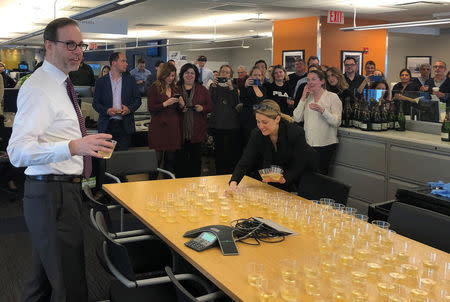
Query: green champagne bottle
(445,129)
(401,120)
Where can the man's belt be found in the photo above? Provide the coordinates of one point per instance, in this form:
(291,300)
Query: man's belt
(59,178)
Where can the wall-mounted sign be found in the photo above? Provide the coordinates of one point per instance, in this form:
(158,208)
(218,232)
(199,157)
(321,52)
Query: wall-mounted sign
(104,26)
(336,17)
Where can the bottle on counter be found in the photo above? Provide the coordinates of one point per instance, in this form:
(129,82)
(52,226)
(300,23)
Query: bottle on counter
(401,120)
(347,114)
(355,115)
(376,120)
(364,123)
(391,117)
(384,118)
(445,129)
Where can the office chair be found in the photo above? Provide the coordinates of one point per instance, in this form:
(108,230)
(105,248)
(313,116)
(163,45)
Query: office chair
(131,162)
(133,280)
(105,210)
(186,294)
(428,227)
(314,186)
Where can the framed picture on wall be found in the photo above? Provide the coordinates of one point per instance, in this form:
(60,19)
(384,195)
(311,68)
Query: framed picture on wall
(289,57)
(413,64)
(357,55)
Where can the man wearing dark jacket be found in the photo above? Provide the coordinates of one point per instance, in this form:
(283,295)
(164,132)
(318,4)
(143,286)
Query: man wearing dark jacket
(116,98)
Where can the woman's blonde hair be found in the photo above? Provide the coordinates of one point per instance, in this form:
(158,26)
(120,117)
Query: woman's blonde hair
(271,109)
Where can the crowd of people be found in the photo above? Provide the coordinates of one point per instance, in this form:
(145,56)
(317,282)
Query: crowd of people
(188,105)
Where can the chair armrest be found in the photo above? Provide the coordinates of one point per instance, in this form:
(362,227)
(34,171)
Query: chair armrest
(115,178)
(135,239)
(211,296)
(167,173)
(131,233)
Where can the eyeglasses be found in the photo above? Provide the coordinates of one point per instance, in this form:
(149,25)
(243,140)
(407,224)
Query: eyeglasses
(264,107)
(349,65)
(72,45)
(439,66)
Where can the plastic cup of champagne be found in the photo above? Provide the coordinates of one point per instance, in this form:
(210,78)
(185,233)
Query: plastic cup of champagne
(107,155)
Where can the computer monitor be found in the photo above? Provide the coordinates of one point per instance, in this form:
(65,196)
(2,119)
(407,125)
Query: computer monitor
(96,68)
(10,100)
(83,91)
(152,51)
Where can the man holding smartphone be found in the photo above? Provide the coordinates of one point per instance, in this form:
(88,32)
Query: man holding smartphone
(116,98)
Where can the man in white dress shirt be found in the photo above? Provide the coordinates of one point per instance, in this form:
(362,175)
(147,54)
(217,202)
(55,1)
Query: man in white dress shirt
(206,74)
(49,138)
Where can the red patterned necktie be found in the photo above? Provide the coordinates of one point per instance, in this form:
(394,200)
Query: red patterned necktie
(87,163)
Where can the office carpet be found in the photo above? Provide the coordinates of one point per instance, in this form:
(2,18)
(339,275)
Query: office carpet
(15,254)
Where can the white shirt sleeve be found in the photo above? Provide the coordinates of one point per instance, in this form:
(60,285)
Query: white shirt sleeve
(34,117)
(333,114)
(299,111)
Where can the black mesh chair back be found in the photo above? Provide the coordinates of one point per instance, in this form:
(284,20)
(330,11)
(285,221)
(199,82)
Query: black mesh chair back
(425,226)
(314,186)
(97,207)
(131,162)
(117,253)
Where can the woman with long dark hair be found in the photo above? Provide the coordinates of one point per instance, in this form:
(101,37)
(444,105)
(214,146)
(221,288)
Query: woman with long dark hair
(164,134)
(406,91)
(193,122)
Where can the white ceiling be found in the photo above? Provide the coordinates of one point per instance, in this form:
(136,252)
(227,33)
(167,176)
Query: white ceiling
(205,19)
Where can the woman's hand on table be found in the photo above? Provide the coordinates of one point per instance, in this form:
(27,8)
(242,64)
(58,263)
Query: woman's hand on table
(232,187)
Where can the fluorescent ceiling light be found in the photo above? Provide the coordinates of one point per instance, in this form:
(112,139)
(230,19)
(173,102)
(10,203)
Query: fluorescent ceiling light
(398,25)
(221,19)
(379,3)
(217,48)
(123,2)
(202,36)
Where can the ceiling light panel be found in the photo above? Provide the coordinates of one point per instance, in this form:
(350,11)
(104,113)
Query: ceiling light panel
(221,19)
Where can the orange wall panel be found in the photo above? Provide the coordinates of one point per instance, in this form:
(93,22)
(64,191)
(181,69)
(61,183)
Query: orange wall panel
(334,40)
(294,34)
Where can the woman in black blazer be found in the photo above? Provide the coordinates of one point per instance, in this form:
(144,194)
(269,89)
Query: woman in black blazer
(275,141)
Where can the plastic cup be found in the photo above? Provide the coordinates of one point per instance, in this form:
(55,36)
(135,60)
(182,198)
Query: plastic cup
(107,155)
(255,273)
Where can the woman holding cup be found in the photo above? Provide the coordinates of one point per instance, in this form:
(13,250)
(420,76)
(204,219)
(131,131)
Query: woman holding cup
(165,105)
(193,122)
(275,141)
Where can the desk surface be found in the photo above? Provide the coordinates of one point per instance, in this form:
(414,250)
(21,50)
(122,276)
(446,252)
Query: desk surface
(229,273)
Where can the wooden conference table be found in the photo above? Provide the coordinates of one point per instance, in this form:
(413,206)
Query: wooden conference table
(229,273)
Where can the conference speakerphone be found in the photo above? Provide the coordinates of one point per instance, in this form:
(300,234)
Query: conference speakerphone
(209,236)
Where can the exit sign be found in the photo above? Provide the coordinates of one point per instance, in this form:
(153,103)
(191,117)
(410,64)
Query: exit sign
(335,17)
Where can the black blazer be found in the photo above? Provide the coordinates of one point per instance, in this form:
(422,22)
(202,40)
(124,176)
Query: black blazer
(293,154)
(103,101)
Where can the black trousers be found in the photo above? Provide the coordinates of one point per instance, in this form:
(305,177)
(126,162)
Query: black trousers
(227,146)
(189,160)
(326,154)
(52,213)
(119,134)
